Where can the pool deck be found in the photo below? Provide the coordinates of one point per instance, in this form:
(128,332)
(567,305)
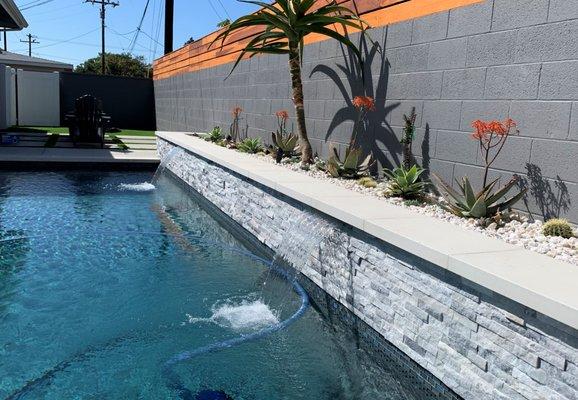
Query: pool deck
(535,280)
(30,150)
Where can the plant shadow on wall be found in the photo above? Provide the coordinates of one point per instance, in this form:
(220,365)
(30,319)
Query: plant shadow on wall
(550,201)
(353,80)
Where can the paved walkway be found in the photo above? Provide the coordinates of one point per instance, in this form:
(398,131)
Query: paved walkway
(32,148)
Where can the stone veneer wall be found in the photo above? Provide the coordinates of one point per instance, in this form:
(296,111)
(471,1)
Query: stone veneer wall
(480,344)
(492,60)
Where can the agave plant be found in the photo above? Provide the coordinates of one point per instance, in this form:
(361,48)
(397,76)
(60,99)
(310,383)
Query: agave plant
(250,145)
(405,183)
(353,166)
(484,204)
(215,136)
(281,28)
(284,142)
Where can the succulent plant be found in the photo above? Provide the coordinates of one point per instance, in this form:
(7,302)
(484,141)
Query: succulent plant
(405,183)
(367,181)
(286,145)
(558,227)
(414,202)
(484,204)
(353,166)
(215,136)
(250,145)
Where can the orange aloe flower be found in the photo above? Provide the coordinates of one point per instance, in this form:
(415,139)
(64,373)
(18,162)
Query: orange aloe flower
(364,102)
(284,115)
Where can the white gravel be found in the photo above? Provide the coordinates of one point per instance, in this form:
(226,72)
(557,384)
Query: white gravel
(520,232)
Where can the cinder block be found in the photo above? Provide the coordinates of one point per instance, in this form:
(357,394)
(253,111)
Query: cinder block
(491,49)
(484,110)
(455,146)
(514,156)
(510,14)
(417,85)
(464,84)
(430,28)
(442,114)
(397,109)
(470,20)
(543,119)
(513,82)
(447,54)
(550,42)
(315,108)
(559,81)
(408,59)
(549,155)
(399,34)
(561,10)
(443,169)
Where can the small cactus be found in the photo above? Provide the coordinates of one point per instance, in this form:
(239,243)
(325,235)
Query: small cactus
(367,182)
(558,227)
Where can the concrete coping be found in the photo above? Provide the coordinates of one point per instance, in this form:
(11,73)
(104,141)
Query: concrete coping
(534,280)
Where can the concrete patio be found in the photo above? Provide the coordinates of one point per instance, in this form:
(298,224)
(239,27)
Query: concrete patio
(32,148)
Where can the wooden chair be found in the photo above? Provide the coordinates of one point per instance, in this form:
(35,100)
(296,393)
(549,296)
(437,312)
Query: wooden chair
(88,123)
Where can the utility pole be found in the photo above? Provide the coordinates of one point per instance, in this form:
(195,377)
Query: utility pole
(103,4)
(31,40)
(169,16)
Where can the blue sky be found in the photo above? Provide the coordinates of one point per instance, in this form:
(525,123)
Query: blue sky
(69,30)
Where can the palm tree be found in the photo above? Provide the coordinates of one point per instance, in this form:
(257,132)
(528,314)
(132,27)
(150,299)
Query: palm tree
(285,25)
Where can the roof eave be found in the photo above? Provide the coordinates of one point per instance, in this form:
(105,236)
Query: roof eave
(14,13)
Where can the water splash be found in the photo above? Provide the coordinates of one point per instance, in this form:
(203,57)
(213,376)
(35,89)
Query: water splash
(137,187)
(165,160)
(244,316)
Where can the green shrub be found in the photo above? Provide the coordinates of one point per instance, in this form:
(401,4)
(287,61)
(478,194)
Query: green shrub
(250,145)
(484,204)
(368,182)
(558,227)
(405,183)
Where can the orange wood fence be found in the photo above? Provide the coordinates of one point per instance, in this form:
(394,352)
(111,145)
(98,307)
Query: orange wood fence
(200,54)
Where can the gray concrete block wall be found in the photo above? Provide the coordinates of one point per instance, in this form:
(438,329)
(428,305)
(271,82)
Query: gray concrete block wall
(491,60)
(478,343)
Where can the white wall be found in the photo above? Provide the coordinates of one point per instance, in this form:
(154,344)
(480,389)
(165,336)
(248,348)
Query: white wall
(7,97)
(38,98)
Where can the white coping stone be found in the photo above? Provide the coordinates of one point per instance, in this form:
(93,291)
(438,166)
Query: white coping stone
(534,280)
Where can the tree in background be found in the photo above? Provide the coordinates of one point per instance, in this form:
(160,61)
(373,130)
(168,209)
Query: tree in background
(123,64)
(285,26)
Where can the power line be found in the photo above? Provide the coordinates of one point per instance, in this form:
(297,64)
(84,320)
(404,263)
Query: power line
(31,40)
(103,4)
(23,8)
(226,12)
(215,10)
(134,40)
(61,41)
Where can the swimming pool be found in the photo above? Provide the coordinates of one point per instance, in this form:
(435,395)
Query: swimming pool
(109,288)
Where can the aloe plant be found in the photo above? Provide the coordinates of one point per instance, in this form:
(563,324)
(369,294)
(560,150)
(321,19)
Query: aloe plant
(250,145)
(405,183)
(352,167)
(484,204)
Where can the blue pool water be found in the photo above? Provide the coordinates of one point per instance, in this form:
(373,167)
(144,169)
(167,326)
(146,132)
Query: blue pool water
(104,281)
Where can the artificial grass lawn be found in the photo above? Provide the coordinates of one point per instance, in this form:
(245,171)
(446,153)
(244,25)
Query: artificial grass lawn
(64,130)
